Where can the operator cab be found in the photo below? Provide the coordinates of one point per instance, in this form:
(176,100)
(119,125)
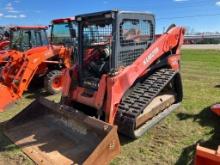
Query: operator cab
(111,40)
(25,38)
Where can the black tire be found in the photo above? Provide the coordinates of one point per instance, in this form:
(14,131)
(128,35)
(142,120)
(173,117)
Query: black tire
(50,84)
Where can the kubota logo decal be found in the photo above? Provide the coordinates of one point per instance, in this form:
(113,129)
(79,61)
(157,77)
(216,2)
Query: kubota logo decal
(151,55)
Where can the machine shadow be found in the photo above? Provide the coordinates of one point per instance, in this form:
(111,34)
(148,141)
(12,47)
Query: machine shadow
(36,89)
(34,93)
(205,118)
(217,86)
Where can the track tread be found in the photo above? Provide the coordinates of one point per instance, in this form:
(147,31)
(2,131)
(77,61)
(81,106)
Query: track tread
(140,97)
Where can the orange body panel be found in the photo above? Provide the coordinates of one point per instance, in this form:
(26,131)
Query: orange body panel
(4,54)
(174,61)
(97,98)
(206,156)
(216,109)
(117,85)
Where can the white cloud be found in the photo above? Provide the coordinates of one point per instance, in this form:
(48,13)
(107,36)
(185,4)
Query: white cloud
(11,16)
(17,1)
(13,11)
(22,16)
(9,7)
(15,16)
(218,3)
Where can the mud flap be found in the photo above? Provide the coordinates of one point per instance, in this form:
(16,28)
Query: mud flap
(205,156)
(53,134)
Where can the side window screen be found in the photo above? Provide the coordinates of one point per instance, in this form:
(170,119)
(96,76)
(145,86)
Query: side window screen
(27,42)
(41,38)
(38,38)
(97,34)
(135,32)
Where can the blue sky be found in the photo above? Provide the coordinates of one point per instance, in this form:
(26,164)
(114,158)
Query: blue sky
(201,15)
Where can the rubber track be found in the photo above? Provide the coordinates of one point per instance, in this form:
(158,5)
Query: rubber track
(139,98)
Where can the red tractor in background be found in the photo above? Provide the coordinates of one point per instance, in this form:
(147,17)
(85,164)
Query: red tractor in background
(22,39)
(32,56)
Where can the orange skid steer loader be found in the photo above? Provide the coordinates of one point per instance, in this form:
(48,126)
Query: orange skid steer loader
(31,56)
(122,79)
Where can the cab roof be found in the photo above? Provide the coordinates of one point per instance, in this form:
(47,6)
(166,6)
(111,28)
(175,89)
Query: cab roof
(103,13)
(63,20)
(29,27)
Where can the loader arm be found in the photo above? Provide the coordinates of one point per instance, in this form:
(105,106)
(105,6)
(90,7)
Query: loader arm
(170,41)
(4,55)
(167,42)
(65,54)
(30,67)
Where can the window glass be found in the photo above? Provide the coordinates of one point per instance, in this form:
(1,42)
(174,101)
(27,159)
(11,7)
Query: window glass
(135,32)
(27,41)
(16,39)
(41,38)
(23,40)
(44,38)
(61,33)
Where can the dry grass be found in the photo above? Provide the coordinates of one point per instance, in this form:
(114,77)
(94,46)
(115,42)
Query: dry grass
(172,141)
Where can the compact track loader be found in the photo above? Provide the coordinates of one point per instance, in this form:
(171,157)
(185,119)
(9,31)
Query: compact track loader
(31,56)
(122,78)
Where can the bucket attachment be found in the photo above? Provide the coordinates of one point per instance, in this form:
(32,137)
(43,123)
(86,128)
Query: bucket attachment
(7,97)
(50,133)
(205,156)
